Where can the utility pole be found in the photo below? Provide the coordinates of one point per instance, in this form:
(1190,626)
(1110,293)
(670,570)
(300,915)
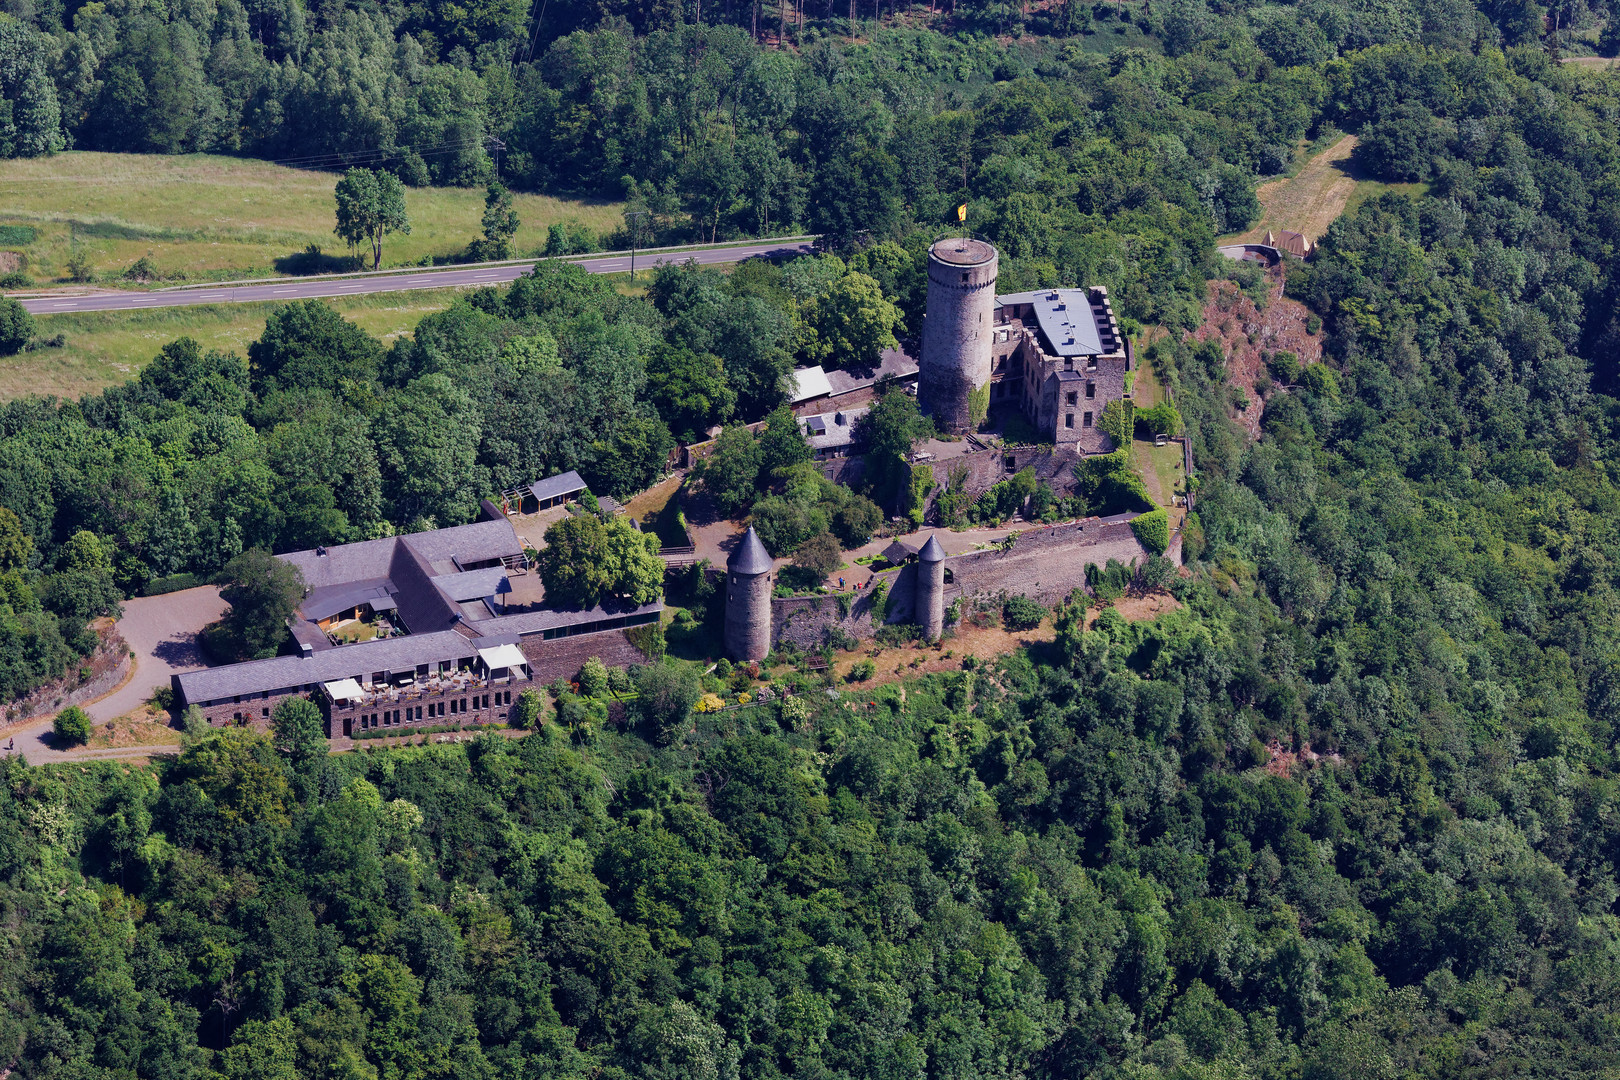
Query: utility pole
(495,148)
(630,216)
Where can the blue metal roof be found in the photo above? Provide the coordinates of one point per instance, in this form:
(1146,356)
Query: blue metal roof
(1067,322)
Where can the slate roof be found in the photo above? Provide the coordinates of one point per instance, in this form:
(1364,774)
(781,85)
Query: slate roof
(474,584)
(931,551)
(892,363)
(750,556)
(329,600)
(349,662)
(897,552)
(525,623)
(552,486)
(829,431)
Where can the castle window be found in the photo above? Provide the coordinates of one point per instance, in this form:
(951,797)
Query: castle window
(1087,420)
(964,275)
(1072,398)
(1091,389)
(1068,419)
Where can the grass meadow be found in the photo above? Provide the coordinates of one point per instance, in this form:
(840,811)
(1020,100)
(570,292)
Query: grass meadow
(107,347)
(202,217)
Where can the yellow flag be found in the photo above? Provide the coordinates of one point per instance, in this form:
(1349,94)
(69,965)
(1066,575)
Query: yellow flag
(961,212)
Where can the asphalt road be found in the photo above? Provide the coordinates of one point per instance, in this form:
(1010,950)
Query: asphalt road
(286,289)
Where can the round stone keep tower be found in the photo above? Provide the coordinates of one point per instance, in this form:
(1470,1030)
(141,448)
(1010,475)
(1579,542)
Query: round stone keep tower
(957,330)
(931,589)
(748,599)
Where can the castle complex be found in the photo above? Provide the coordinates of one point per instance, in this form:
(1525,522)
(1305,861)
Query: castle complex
(1057,354)
(1059,357)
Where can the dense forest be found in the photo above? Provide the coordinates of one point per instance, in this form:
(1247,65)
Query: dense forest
(1349,811)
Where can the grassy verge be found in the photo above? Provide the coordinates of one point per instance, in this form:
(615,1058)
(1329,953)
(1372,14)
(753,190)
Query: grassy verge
(1367,190)
(107,347)
(205,217)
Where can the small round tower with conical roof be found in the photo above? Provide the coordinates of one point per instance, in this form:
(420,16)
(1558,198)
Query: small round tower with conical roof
(748,599)
(931,589)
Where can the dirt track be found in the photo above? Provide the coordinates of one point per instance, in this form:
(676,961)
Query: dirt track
(1312,200)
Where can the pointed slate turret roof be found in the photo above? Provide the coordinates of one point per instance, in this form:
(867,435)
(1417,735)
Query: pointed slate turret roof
(931,551)
(750,556)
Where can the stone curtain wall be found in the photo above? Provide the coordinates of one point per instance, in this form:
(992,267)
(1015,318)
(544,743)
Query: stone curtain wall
(1045,565)
(805,620)
(986,468)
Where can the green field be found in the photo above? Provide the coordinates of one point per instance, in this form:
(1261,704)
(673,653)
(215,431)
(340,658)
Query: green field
(107,347)
(202,217)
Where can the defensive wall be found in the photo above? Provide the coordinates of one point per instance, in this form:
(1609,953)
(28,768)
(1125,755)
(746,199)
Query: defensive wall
(1045,564)
(986,468)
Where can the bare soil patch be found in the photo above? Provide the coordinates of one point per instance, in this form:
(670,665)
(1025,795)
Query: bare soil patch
(984,644)
(1245,332)
(146,726)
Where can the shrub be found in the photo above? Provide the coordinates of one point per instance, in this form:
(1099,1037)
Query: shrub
(666,696)
(1153,530)
(1157,573)
(72,726)
(16,326)
(141,270)
(527,713)
(1161,419)
(593,678)
(862,670)
(1022,613)
(1284,365)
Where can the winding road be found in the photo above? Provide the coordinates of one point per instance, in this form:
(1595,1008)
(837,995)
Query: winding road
(281,289)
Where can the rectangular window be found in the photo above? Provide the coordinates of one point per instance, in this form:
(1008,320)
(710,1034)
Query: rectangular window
(1087,421)
(1091,389)
(1068,420)
(265,713)
(1073,397)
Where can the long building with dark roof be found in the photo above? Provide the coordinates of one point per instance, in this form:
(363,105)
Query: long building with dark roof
(459,622)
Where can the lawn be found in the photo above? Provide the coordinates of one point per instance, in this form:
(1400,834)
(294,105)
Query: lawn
(1311,199)
(202,217)
(1145,389)
(107,347)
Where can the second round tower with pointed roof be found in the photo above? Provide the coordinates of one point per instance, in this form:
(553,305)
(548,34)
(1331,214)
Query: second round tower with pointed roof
(931,589)
(748,599)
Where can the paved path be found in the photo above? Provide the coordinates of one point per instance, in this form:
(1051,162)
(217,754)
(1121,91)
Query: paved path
(162,631)
(296,289)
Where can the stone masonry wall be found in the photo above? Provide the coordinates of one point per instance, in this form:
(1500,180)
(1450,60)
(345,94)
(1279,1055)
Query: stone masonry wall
(1045,565)
(986,468)
(561,658)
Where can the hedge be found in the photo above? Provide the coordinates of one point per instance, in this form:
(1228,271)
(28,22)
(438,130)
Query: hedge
(1153,530)
(173,583)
